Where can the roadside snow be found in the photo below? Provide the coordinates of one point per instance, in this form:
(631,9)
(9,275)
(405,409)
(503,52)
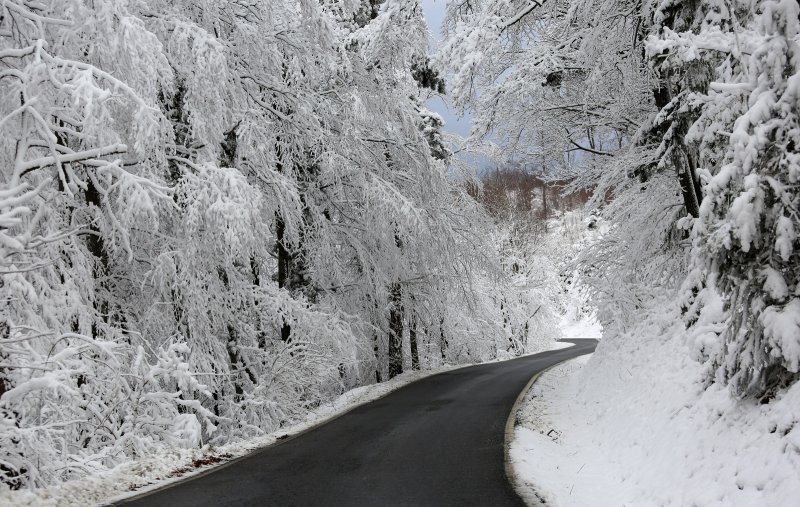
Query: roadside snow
(580,326)
(553,464)
(136,477)
(634,425)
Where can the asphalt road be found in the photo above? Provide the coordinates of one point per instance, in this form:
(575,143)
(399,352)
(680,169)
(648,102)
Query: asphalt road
(437,441)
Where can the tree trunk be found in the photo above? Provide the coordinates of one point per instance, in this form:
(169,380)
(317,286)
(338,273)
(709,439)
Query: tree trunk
(377,350)
(292,265)
(443,345)
(396,312)
(686,177)
(284,259)
(412,341)
(544,200)
(682,159)
(395,331)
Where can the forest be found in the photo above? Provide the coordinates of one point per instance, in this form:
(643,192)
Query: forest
(218,215)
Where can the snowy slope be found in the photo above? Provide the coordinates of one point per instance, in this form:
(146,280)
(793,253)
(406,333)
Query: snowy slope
(634,425)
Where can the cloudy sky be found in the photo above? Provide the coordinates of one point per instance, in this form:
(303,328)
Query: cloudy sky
(434,13)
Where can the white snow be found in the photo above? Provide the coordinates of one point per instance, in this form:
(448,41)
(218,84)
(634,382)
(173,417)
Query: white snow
(546,456)
(556,345)
(580,326)
(634,425)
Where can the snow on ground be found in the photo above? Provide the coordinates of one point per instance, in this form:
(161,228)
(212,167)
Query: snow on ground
(634,425)
(136,477)
(549,462)
(580,326)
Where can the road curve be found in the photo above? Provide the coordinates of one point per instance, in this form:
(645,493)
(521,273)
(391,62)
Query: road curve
(437,441)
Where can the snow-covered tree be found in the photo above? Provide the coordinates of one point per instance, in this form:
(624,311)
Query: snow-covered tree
(740,63)
(213,217)
(685,116)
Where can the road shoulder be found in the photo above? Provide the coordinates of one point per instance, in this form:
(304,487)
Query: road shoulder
(548,456)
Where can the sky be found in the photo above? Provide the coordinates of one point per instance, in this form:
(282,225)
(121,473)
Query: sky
(434,11)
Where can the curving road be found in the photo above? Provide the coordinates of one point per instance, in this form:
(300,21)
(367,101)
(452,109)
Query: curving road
(437,441)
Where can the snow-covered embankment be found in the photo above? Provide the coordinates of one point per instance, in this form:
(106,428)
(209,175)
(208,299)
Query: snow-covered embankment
(634,425)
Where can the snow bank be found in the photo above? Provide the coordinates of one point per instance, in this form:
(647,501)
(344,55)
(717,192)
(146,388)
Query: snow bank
(634,425)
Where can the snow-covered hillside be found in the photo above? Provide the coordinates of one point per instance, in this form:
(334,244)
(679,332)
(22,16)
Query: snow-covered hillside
(636,425)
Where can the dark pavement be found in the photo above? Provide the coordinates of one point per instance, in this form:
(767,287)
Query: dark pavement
(437,441)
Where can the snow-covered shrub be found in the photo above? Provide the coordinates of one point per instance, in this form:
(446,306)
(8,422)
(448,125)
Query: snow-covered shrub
(80,405)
